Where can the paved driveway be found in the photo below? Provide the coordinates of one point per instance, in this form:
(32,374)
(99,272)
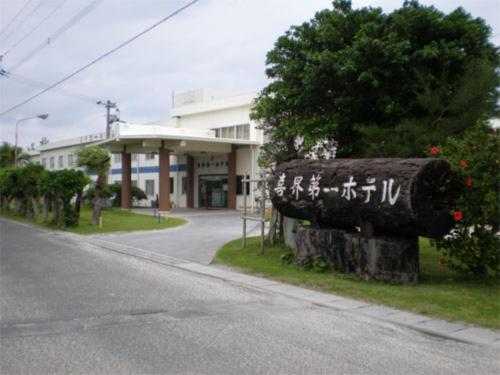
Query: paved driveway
(197,241)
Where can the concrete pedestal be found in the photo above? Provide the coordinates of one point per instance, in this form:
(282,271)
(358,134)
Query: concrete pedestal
(385,258)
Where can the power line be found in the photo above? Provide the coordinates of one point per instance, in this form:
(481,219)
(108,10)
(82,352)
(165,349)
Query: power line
(84,12)
(33,83)
(34,28)
(17,15)
(23,21)
(171,15)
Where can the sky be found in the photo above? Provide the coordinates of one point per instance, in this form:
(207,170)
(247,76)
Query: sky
(218,44)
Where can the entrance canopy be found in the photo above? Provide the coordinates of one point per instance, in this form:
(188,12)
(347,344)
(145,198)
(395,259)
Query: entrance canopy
(130,139)
(139,139)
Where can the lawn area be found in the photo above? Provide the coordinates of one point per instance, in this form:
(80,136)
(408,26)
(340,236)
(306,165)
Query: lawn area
(441,293)
(113,220)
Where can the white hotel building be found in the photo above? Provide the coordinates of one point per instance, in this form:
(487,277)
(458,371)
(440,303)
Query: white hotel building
(195,160)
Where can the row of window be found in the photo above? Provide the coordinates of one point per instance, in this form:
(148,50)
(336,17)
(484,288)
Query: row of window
(149,186)
(235,132)
(117,158)
(71,162)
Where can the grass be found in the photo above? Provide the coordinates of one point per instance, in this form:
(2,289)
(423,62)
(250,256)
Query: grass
(440,293)
(113,220)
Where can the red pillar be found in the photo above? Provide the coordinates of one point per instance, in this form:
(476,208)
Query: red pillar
(126,193)
(231,178)
(164,195)
(190,182)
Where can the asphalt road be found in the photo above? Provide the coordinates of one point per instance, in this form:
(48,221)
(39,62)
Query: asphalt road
(71,307)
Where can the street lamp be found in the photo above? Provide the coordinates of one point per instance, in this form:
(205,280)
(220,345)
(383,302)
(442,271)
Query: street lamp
(43,117)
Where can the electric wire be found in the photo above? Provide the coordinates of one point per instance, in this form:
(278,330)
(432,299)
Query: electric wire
(22,39)
(73,21)
(120,46)
(34,83)
(17,15)
(6,37)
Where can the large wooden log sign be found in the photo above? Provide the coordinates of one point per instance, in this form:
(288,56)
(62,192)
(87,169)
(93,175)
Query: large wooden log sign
(390,196)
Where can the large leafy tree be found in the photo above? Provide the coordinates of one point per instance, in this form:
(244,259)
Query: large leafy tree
(8,155)
(95,160)
(379,84)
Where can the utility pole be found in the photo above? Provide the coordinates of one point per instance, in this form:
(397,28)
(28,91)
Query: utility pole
(109,117)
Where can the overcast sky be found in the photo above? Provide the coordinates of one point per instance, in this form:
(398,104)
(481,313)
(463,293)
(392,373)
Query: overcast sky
(219,44)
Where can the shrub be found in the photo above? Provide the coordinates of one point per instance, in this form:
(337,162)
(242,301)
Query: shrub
(319,264)
(474,244)
(287,258)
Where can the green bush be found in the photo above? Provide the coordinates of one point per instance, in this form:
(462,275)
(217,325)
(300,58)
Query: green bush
(474,244)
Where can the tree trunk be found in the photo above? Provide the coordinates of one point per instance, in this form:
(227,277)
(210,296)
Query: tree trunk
(290,231)
(34,203)
(395,196)
(46,208)
(273,226)
(101,181)
(56,210)
(78,204)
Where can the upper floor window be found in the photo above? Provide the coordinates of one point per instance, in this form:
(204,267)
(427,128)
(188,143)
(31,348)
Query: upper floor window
(237,131)
(117,158)
(150,156)
(44,162)
(70,161)
(60,161)
(51,161)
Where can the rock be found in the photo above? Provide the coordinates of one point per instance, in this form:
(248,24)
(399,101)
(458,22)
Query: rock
(386,258)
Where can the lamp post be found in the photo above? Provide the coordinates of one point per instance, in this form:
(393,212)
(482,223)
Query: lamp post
(43,117)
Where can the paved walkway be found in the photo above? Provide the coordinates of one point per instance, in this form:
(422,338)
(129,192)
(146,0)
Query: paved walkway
(191,247)
(196,241)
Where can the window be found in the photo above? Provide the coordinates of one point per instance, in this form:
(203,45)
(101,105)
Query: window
(228,132)
(184,184)
(61,161)
(70,161)
(134,157)
(150,156)
(150,187)
(237,131)
(44,162)
(239,185)
(171,185)
(118,158)
(243,131)
(134,183)
(51,162)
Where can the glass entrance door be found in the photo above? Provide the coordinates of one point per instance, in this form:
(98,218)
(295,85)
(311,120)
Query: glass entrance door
(212,191)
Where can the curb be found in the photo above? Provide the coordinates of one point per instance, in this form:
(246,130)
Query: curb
(430,326)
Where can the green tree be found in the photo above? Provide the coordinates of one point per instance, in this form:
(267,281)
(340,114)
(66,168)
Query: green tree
(8,155)
(68,184)
(29,178)
(95,160)
(381,85)
(48,189)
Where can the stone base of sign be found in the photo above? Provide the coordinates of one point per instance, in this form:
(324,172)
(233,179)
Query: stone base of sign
(385,258)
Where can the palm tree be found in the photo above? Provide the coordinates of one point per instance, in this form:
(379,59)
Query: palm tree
(8,155)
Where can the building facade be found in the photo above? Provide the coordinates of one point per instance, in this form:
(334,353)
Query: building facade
(196,159)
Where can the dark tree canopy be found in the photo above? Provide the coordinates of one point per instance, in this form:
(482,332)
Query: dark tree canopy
(381,85)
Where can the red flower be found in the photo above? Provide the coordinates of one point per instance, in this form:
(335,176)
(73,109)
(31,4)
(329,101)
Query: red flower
(443,261)
(464,164)
(493,133)
(457,215)
(434,150)
(469,182)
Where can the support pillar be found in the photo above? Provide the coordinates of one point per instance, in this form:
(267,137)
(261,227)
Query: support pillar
(231,178)
(126,192)
(164,195)
(190,182)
